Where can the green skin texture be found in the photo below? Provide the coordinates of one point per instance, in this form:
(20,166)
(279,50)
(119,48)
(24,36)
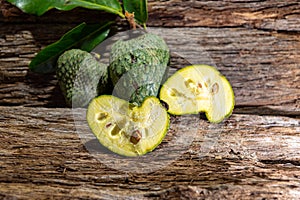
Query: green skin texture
(81,77)
(138,67)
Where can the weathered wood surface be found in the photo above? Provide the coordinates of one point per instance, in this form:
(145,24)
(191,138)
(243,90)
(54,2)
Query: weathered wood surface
(246,157)
(267,15)
(263,66)
(263,71)
(255,154)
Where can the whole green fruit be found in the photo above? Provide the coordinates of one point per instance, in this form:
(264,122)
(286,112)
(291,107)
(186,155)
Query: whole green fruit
(138,67)
(81,77)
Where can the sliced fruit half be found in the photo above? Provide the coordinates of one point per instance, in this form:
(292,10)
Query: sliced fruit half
(199,88)
(127,129)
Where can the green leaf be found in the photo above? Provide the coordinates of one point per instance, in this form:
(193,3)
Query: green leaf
(95,38)
(139,7)
(83,36)
(39,7)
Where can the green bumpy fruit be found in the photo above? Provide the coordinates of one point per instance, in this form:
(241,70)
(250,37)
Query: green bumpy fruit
(138,67)
(81,77)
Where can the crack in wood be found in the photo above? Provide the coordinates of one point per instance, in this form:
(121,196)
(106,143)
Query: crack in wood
(254,154)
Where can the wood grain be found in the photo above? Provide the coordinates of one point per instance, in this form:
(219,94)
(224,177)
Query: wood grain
(48,152)
(266,15)
(43,156)
(262,67)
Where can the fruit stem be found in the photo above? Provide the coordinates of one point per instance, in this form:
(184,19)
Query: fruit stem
(130,19)
(132,23)
(145,27)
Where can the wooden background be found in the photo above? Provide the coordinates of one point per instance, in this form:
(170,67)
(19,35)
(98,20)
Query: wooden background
(255,154)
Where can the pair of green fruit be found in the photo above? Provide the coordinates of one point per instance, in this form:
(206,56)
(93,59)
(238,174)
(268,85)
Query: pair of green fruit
(134,129)
(137,68)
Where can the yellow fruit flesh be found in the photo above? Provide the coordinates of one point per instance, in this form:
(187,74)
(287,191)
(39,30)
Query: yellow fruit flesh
(126,130)
(198,88)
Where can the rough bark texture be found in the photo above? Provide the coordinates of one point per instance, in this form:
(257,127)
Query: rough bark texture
(267,15)
(264,70)
(48,152)
(254,157)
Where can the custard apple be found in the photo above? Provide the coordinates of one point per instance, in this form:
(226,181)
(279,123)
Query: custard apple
(81,77)
(138,67)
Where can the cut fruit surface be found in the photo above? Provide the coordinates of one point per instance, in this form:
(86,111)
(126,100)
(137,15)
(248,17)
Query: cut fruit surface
(198,88)
(127,129)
